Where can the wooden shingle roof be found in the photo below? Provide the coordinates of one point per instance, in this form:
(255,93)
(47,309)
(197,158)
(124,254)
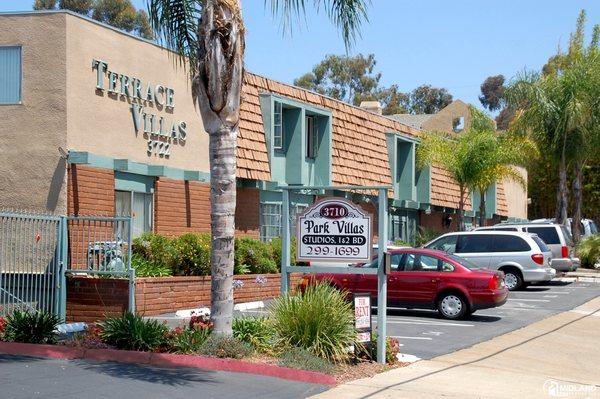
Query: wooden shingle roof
(359,154)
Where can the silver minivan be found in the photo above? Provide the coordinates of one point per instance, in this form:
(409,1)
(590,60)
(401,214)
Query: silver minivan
(524,258)
(556,236)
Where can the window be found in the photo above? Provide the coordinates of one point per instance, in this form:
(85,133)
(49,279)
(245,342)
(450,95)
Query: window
(541,244)
(312,137)
(474,243)
(548,234)
(505,243)
(10,75)
(137,205)
(270,221)
(447,267)
(296,210)
(464,262)
(458,124)
(419,263)
(277,126)
(446,244)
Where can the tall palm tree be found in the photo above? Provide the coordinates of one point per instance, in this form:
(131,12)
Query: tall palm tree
(559,109)
(208,36)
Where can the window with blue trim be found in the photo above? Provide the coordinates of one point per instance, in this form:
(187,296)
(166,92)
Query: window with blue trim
(10,74)
(277,126)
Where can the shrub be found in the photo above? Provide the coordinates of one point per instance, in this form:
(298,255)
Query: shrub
(392,349)
(2,327)
(187,340)
(31,327)
(255,254)
(255,331)
(191,255)
(298,358)
(132,332)
(147,268)
(589,251)
(276,250)
(320,321)
(224,346)
(424,235)
(156,248)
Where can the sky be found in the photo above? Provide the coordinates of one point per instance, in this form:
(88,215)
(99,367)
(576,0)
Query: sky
(452,44)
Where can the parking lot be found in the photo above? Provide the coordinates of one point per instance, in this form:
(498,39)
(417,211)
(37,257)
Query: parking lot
(426,335)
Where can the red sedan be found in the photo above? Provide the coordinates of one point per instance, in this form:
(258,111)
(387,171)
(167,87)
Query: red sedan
(429,279)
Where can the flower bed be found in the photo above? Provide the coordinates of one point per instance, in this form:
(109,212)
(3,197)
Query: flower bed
(312,331)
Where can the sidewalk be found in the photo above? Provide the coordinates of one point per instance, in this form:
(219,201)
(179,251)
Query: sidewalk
(584,275)
(558,355)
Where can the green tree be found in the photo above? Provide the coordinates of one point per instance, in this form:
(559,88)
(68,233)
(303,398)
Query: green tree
(79,6)
(492,92)
(44,4)
(347,78)
(497,157)
(427,99)
(559,108)
(393,100)
(123,15)
(209,38)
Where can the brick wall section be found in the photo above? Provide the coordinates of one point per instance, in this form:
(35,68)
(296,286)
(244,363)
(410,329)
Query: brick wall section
(90,299)
(247,213)
(181,207)
(90,191)
(168,294)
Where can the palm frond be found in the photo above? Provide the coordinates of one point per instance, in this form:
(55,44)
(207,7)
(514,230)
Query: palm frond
(175,23)
(347,15)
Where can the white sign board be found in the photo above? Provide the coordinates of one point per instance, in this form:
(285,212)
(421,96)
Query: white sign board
(334,230)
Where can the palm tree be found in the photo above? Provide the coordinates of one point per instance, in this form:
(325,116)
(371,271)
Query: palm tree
(460,155)
(559,110)
(208,37)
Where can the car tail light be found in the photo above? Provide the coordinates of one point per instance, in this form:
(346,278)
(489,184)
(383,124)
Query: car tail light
(565,251)
(493,284)
(538,258)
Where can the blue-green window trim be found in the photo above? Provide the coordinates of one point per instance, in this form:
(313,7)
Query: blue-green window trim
(290,160)
(11,74)
(412,187)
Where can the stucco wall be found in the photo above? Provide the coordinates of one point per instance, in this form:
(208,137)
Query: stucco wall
(442,121)
(32,173)
(516,197)
(102,123)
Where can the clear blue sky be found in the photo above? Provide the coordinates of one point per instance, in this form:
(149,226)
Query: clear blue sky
(452,44)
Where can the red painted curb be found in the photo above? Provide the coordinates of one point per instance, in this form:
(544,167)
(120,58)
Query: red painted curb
(167,360)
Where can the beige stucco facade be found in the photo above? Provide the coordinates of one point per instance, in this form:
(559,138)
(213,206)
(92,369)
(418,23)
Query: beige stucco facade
(516,196)
(442,121)
(102,123)
(32,173)
(61,107)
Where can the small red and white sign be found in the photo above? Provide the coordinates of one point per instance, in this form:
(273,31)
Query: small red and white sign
(362,316)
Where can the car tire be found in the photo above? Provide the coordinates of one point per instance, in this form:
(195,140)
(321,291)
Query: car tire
(452,306)
(513,280)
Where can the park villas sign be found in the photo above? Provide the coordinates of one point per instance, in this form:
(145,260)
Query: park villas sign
(334,229)
(160,132)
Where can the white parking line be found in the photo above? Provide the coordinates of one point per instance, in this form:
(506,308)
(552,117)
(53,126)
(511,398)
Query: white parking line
(505,308)
(540,292)
(528,300)
(401,337)
(550,296)
(426,323)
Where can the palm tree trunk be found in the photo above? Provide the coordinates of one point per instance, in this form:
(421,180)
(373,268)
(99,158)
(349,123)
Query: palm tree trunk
(216,89)
(561,195)
(577,201)
(481,208)
(461,209)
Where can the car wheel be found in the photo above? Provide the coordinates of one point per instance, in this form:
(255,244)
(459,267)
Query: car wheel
(452,306)
(512,280)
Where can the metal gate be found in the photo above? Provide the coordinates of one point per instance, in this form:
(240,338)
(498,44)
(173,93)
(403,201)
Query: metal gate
(37,252)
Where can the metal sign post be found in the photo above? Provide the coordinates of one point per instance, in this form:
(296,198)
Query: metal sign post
(287,268)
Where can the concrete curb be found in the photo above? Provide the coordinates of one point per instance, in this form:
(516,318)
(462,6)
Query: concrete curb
(166,360)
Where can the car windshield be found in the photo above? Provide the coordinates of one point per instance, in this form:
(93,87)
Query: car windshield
(464,262)
(593,228)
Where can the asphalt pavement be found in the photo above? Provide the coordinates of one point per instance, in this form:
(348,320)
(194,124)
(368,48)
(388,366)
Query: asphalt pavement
(426,335)
(26,377)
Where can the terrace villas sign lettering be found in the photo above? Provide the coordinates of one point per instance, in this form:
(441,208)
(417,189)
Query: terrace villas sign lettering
(334,229)
(160,132)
